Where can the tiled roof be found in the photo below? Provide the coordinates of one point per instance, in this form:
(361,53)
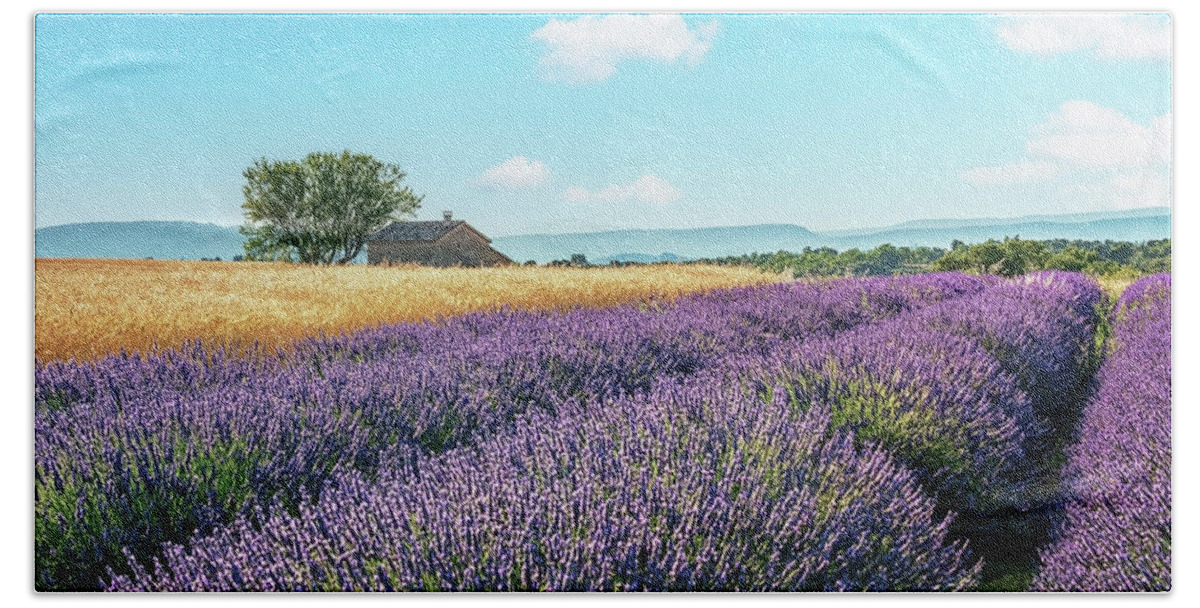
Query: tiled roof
(415,231)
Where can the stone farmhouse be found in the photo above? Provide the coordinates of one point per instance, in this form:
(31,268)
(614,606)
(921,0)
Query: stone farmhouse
(449,242)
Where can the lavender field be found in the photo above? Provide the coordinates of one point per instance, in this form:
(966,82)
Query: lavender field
(934,432)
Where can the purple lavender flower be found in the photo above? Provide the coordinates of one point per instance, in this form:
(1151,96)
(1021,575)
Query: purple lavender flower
(134,452)
(1117,533)
(695,489)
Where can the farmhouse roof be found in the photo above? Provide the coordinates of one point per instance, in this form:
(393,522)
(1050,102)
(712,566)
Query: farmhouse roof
(417,231)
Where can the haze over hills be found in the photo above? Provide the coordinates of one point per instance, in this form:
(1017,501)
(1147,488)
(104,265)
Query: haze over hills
(192,241)
(1065,218)
(1134,229)
(1135,225)
(158,240)
(686,244)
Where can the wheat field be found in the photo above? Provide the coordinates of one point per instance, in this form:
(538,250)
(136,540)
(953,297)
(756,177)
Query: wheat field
(86,308)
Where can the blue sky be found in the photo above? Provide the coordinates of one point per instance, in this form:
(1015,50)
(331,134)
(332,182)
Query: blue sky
(563,123)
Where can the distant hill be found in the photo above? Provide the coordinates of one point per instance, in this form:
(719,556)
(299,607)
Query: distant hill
(1135,229)
(1134,225)
(686,243)
(192,241)
(158,240)
(643,258)
(943,224)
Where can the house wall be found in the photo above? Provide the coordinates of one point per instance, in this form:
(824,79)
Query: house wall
(461,247)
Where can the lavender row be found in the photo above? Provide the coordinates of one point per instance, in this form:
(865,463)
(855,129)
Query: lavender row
(1041,330)
(747,319)
(135,452)
(947,387)
(1117,534)
(690,488)
(938,400)
(111,477)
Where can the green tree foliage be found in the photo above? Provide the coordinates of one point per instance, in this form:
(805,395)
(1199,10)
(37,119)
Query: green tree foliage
(1008,258)
(578,260)
(1110,257)
(322,209)
(1154,257)
(884,260)
(824,261)
(1073,259)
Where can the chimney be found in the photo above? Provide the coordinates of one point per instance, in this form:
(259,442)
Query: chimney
(446,216)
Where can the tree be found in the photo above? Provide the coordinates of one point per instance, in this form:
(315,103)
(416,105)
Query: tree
(1020,257)
(1073,259)
(1007,258)
(881,261)
(322,209)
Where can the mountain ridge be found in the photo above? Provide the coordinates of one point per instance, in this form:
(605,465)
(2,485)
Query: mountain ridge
(163,240)
(995,221)
(195,240)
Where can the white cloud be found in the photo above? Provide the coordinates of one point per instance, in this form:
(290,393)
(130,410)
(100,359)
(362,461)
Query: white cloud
(1021,172)
(1145,188)
(516,172)
(1128,190)
(1090,135)
(1093,154)
(1160,137)
(1110,36)
(646,189)
(589,48)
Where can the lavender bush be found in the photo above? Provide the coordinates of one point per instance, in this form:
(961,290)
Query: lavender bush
(1117,534)
(939,402)
(718,321)
(132,452)
(947,387)
(964,393)
(1041,327)
(684,490)
(795,436)
(135,474)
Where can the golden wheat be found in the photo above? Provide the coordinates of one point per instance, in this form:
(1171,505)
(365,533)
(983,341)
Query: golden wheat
(87,308)
(1115,285)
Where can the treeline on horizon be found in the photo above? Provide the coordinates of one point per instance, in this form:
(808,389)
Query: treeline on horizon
(1009,257)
